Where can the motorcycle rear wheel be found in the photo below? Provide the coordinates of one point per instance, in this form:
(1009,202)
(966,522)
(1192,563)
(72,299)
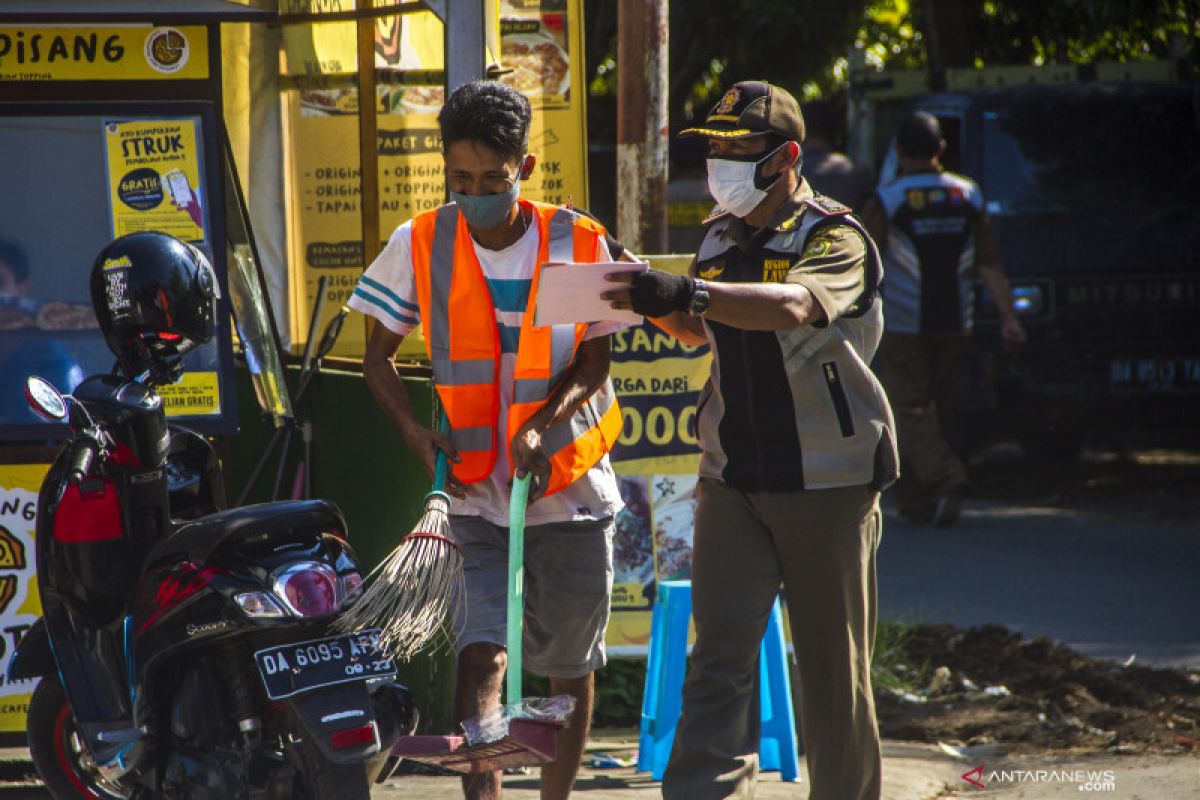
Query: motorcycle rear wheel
(325,780)
(57,749)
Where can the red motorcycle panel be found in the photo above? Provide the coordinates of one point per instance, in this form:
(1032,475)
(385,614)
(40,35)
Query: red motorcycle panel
(91,517)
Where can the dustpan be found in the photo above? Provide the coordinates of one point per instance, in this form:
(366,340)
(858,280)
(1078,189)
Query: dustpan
(529,742)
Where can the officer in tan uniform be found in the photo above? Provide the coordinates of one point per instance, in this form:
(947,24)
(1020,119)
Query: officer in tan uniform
(796,438)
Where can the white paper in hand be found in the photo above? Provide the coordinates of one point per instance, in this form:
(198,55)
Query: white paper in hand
(570,293)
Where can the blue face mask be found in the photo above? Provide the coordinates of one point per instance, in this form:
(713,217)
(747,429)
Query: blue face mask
(487,210)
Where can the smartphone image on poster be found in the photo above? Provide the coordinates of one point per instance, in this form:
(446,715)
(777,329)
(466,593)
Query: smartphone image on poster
(182,196)
(178,188)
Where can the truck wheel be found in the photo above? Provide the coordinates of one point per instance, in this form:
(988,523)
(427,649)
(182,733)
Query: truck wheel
(58,751)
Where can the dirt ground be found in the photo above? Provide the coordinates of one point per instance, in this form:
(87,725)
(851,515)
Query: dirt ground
(1033,695)
(987,685)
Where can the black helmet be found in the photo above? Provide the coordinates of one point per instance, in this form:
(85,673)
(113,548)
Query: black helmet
(153,296)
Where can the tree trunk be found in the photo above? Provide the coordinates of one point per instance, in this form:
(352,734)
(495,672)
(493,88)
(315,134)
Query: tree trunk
(945,29)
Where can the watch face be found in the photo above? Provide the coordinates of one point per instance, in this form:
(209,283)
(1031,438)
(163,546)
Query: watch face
(699,303)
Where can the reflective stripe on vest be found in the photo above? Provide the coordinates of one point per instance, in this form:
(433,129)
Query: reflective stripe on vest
(464,346)
(575,445)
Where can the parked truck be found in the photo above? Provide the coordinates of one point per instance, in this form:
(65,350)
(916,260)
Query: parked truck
(1092,179)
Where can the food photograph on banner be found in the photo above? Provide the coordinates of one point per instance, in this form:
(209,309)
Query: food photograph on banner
(534,45)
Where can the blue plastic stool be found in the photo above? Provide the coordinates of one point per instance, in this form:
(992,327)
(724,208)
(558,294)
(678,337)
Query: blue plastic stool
(662,699)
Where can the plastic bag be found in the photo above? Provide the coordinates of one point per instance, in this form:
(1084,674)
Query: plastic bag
(493,725)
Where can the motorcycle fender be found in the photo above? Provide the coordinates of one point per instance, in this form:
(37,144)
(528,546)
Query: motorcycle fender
(33,657)
(395,715)
(395,712)
(340,720)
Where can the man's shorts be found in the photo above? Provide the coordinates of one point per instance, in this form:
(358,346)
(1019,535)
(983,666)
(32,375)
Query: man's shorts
(568,587)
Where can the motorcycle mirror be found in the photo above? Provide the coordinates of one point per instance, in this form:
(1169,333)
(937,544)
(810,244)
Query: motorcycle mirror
(45,399)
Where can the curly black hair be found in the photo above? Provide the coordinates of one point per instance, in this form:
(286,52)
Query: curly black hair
(489,113)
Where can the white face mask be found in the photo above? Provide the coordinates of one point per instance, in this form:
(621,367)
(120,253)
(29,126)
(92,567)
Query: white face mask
(732,184)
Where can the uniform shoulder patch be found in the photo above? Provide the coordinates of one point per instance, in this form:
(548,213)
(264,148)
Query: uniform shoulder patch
(831,238)
(827,205)
(818,246)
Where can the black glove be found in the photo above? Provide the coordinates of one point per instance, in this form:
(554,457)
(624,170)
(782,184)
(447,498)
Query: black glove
(655,293)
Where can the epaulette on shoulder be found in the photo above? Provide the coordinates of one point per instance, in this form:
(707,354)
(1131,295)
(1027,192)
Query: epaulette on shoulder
(827,205)
(714,215)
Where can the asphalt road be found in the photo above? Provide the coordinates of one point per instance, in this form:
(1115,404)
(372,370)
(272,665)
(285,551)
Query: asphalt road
(1108,588)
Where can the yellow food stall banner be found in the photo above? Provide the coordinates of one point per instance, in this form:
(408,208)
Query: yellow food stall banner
(154,177)
(126,53)
(196,394)
(537,40)
(658,381)
(20,605)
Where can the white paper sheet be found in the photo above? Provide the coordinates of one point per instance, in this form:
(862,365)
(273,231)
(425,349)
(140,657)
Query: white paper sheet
(570,293)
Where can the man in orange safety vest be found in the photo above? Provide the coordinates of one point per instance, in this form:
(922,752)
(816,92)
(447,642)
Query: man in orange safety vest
(520,399)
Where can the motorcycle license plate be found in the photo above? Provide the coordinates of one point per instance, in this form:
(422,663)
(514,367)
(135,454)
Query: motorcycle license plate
(290,669)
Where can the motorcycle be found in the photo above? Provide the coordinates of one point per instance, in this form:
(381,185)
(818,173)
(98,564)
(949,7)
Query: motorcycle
(215,676)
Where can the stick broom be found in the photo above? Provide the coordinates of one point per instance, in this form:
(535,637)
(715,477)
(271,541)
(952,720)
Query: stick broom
(412,590)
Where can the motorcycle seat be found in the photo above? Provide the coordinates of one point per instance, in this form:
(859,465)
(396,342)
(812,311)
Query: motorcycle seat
(196,540)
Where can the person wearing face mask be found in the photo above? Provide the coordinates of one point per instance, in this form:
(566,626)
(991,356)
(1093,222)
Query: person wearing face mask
(520,399)
(796,439)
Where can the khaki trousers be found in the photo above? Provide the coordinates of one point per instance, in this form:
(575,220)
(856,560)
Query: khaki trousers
(923,376)
(821,545)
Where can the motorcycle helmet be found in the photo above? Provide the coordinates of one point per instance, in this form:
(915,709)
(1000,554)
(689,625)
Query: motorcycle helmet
(153,296)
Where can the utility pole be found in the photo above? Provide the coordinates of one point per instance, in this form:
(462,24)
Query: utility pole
(368,133)
(642,124)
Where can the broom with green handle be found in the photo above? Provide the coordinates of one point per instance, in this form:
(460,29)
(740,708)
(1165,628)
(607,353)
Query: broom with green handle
(522,732)
(412,591)
(516,584)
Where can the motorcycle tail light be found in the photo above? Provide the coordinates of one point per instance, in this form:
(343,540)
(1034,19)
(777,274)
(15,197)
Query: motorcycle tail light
(309,589)
(352,737)
(351,586)
(259,604)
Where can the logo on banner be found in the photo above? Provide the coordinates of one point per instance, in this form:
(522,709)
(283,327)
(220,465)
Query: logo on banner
(12,558)
(166,50)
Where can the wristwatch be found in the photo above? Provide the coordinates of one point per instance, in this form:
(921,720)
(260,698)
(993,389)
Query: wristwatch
(698,305)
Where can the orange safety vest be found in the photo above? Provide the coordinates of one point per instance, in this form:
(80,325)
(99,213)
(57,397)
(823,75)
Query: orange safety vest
(463,344)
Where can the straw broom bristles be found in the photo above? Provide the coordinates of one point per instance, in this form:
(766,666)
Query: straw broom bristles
(411,592)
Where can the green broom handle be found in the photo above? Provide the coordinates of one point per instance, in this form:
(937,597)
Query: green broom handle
(516,583)
(440,467)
